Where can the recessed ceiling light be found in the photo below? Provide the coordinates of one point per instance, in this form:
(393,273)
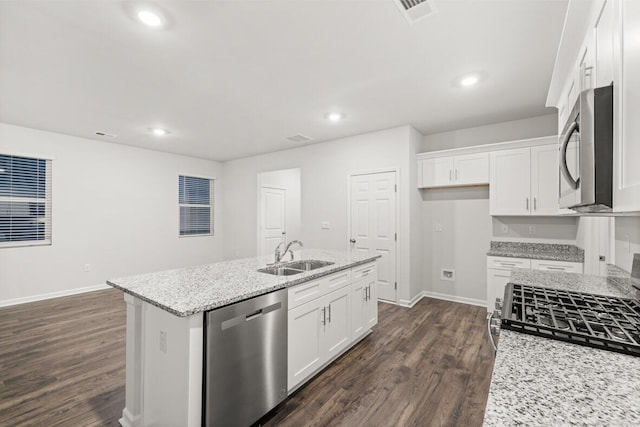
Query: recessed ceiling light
(334,117)
(469,80)
(159,132)
(150,19)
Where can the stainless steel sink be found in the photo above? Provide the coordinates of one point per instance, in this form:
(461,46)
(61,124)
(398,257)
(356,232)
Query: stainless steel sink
(279,271)
(294,267)
(308,264)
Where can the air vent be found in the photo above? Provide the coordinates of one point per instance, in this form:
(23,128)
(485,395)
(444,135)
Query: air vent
(415,10)
(298,138)
(106,135)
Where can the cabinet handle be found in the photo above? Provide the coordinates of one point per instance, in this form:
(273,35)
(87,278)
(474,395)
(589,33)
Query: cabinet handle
(527,203)
(508,263)
(556,268)
(324,316)
(364,293)
(535,203)
(456,174)
(450,175)
(365,271)
(368,292)
(329,316)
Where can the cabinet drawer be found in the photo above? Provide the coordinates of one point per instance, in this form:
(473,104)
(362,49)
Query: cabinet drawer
(363,271)
(507,263)
(308,291)
(569,267)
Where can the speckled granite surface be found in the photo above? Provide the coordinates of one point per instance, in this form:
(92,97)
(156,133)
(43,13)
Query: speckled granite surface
(191,290)
(546,251)
(542,382)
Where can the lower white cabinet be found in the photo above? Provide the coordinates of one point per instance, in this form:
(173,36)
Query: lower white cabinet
(364,306)
(499,272)
(330,321)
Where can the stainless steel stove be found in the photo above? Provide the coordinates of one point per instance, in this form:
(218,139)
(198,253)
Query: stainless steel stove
(603,322)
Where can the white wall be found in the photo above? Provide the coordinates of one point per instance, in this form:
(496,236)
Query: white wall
(324,170)
(288,180)
(463,213)
(114,207)
(627,241)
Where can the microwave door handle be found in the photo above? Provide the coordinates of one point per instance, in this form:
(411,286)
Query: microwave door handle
(563,154)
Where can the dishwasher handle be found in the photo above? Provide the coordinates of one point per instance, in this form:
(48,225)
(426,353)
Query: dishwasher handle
(247,317)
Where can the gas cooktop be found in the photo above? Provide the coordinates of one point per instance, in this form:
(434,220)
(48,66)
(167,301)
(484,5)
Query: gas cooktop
(604,322)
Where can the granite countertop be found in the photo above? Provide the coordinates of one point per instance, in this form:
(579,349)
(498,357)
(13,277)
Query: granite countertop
(192,290)
(545,251)
(541,382)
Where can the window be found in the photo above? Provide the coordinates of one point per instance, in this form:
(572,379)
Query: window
(25,201)
(195,198)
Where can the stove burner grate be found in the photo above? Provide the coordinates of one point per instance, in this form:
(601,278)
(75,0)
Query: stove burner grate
(597,321)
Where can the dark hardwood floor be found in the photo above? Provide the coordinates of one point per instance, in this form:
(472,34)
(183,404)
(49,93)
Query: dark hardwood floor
(62,364)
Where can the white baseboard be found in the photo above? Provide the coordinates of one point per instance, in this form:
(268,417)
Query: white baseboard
(454,298)
(412,302)
(40,297)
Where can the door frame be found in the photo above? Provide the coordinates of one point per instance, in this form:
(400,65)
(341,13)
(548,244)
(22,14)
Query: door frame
(351,174)
(260,208)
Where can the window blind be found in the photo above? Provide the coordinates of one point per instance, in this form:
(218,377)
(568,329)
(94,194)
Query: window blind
(195,199)
(25,201)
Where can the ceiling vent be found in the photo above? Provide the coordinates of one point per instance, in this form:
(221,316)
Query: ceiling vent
(106,135)
(298,138)
(415,10)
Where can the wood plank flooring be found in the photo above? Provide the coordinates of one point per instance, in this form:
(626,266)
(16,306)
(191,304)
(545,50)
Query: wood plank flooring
(62,364)
(426,366)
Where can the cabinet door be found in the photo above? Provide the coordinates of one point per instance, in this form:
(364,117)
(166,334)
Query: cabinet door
(437,172)
(471,169)
(626,148)
(337,330)
(496,282)
(358,296)
(370,314)
(510,182)
(305,351)
(604,45)
(545,180)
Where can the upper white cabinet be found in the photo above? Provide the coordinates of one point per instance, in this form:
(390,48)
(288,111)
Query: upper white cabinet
(524,181)
(460,170)
(626,110)
(607,52)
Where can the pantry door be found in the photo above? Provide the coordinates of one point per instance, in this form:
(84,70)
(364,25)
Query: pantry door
(372,225)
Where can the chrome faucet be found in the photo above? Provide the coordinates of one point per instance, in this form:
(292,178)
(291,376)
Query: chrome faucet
(279,255)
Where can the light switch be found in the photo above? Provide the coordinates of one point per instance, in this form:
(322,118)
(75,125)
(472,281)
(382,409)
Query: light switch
(325,225)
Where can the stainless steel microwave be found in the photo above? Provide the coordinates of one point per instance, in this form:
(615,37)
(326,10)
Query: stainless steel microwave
(586,153)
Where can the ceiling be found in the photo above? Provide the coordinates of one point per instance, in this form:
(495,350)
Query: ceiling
(231,79)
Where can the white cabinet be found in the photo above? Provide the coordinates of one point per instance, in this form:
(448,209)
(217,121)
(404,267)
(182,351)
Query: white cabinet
(467,169)
(604,45)
(364,303)
(499,272)
(524,181)
(568,267)
(626,148)
(510,182)
(326,316)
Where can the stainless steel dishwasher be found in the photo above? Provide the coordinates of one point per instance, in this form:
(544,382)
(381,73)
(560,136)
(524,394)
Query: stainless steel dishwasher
(245,360)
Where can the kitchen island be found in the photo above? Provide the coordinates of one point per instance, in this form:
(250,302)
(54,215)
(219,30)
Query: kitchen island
(538,381)
(165,318)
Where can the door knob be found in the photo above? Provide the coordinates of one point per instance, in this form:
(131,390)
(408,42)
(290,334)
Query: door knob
(352,240)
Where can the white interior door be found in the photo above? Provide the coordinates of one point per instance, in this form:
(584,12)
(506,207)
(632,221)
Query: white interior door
(273,203)
(373,225)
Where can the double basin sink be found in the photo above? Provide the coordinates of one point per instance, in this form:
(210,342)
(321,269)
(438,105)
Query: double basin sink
(294,267)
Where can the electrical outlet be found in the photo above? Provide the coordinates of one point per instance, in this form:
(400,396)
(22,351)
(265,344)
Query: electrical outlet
(448,274)
(532,229)
(505,228)
(163,341)
(87,268)
(325,225)
(438,227)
